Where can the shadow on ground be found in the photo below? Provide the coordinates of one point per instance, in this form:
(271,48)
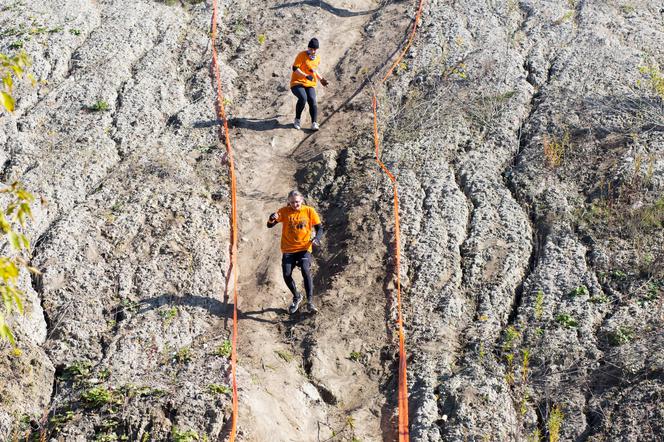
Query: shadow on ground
(339,12)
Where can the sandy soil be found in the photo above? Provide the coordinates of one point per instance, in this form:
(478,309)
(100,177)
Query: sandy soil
(282,396)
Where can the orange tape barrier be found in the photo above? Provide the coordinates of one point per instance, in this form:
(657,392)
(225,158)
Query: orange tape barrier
(221,114)
(403,385)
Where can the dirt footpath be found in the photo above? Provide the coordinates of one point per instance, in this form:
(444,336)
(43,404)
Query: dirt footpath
(298,381)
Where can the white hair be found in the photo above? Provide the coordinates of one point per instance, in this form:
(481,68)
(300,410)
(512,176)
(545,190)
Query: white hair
(295,194)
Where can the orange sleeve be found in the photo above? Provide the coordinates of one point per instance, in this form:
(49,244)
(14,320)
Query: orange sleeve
(299,59)
(280,218)
(313,216)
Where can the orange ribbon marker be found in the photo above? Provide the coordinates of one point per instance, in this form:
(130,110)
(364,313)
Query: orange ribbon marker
(221,115)
(403,385)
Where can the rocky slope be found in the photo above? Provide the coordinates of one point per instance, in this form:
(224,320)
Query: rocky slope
(527,138)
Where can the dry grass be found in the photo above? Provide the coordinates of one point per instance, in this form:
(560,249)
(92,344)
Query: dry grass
(555,148)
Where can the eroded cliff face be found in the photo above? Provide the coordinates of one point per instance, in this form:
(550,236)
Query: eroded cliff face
(527,139)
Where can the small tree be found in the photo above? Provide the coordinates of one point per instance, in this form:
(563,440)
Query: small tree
(12,221)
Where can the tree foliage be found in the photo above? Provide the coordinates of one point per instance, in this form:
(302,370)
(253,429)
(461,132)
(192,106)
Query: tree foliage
(12,68)
(12,221)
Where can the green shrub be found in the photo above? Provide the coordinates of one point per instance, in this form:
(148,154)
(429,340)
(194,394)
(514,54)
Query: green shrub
(219,389)
(183,356)
(580,291)
(224,349)
(511,334)
(654,78)
(183,436)
(97,397)
(554,422)
(539,304)
(99,106)
(566,320)
(620,336)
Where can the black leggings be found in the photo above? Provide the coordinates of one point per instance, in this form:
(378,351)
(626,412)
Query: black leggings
(305,95)
(298,259)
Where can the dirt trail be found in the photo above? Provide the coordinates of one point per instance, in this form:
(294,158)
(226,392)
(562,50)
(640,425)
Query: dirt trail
(278,400)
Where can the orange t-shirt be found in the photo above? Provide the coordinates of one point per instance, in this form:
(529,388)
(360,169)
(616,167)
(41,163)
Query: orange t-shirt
(297,228)
(307,66)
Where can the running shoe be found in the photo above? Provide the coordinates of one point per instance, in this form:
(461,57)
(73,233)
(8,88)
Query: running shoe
(311,307)
(297,299)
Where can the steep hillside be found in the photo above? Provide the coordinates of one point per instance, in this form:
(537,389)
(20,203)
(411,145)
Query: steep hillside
(528,141)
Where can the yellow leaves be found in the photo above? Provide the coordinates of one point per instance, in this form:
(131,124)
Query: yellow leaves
(17,211)
(7,101)
(654,77)
(7,82)
(14,241)
(8,271)
(5,331)
(18,241)
(4,224)
(261,39)
(12,67)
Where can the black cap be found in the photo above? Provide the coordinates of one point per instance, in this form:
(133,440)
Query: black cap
(313,43)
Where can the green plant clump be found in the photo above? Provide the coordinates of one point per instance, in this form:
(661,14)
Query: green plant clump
(183,356)
(59,420)
(580,291)
(97,397)
(539,304)
(285,355)
(77,370)
(599,299)
(554,422)
(620,336)
(566,320)
(99,106)
(183,436)
(511,334)
(224,349)
(654,77)
(219,389)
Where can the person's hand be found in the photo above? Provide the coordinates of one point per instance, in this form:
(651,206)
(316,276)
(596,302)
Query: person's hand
(310,77)
(273,217)
(324,82)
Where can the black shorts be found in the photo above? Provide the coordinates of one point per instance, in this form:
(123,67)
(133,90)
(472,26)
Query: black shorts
(297,259)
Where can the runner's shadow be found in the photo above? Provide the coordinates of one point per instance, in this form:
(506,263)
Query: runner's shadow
(258,124)
(245,123)
(211,305)
(327,7)
(209,123)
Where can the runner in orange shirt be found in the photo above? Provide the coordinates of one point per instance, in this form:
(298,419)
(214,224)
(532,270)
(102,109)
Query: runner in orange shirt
(303,82)
(298,223)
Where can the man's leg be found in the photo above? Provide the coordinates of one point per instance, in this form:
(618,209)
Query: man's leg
(311,100)
(287,263)
(301,95)
(305,266)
